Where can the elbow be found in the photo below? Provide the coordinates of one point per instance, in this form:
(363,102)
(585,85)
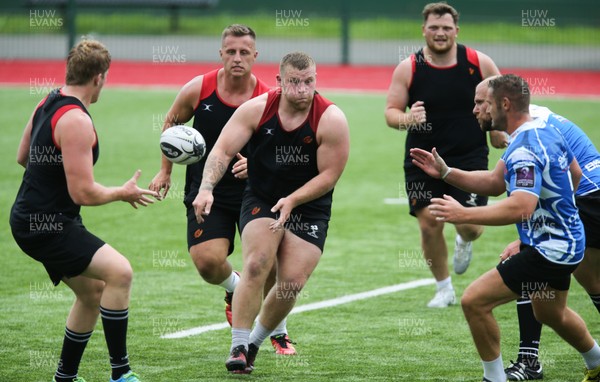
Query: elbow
(22,159)
(390,120)
(81,197)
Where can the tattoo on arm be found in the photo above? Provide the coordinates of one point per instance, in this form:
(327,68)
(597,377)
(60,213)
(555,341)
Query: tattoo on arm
(214,169)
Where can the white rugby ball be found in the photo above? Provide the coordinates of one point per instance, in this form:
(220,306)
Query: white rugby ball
(182,144)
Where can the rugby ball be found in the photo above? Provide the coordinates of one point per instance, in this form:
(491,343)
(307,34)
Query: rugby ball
(182,144)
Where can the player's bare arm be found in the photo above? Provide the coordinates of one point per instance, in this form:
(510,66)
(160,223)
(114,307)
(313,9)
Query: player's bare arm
(487,65)
(518,207)
(396,115)
(179,113)
(332,154)
(481,182)
(235,134)
(23,151)
(576,173)
(75,136)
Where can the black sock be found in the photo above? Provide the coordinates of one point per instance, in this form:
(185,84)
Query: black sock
(115,332)
(70,356)
(596,300)
(530,331)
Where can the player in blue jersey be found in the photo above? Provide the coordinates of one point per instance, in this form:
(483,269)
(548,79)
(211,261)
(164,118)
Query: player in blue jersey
(58,149)
(587,199)
(298,145)
(540,175)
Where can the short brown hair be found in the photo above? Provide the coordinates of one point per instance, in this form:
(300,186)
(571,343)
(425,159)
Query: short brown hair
(238,30)
(513,87)
(85,60)
(440,9)
(297,60)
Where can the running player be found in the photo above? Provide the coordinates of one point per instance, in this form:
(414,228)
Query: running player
(298,144)
(540,174)
(437,83)
(587,199)
(58,149)
(211,99)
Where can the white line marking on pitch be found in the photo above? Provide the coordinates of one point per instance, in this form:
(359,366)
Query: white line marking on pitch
(313,306)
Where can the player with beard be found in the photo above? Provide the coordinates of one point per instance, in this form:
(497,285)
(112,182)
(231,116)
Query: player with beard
(587,199)
(540,175)
(437,85)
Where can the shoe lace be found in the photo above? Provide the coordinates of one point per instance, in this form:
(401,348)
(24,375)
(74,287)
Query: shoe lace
(516,367)
(283,340)
(237,351)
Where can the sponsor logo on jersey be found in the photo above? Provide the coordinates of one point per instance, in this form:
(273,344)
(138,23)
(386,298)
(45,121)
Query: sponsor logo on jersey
(525,177)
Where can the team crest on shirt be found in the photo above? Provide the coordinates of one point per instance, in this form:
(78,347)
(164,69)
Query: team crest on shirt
(562,161)
(525,177)
(207,107)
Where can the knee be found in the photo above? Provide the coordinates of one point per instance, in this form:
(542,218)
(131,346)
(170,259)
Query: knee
(470,233)
(121,276)
(92,296)
(258,265)
(471,304)
(207,267)
(431,229)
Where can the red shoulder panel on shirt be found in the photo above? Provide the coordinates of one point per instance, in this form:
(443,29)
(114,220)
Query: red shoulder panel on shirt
(209,84)
(472,56)
(57,115)
(320,104)
(271,106)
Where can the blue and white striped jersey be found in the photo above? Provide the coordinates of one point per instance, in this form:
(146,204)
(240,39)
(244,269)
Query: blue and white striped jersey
(584,150)
(537,161)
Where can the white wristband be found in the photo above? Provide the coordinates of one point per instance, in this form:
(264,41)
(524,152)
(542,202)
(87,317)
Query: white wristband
(448,171)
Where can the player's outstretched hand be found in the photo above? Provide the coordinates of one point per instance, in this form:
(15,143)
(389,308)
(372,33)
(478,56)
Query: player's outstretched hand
(430,162)
(447,209)
(202,204)
(240,168)
(161,182)
(135,195)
